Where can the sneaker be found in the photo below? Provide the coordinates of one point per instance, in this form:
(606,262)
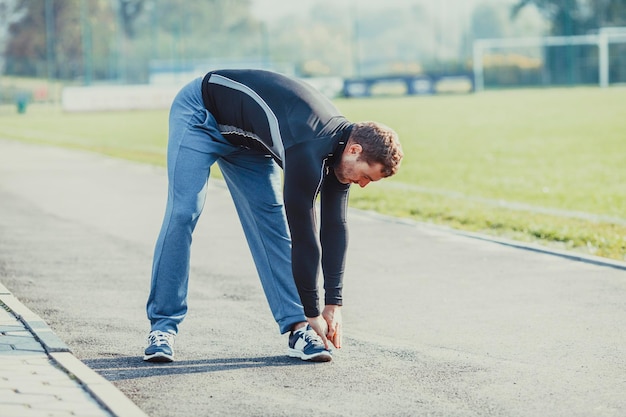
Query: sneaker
(305,344)
(160,347)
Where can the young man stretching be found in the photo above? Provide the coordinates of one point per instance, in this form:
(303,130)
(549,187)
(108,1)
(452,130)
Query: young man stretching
(252,122)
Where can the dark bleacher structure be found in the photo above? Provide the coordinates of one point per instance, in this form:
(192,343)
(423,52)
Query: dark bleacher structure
(423,84)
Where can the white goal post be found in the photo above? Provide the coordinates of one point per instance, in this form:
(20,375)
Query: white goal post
(602,39)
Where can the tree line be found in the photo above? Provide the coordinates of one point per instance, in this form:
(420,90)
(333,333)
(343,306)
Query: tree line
(93,40)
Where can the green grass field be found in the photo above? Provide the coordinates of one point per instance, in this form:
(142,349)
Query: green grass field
(547,166)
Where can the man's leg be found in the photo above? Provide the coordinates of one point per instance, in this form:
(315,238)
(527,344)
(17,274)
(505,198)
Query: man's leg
(194,145)
(255,184)
(167,303)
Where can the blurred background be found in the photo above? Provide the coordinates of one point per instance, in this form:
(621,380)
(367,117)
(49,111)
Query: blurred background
(511,112)
(494,43)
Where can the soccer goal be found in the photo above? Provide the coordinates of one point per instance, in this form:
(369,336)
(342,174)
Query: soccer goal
(527,61)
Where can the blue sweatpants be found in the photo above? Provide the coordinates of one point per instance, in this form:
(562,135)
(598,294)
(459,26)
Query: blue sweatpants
(254,181)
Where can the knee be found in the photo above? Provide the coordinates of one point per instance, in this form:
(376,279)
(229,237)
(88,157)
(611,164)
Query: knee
(185,216)
(272,207)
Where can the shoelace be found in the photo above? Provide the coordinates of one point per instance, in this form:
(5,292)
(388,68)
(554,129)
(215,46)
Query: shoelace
(311,337)
(159,338)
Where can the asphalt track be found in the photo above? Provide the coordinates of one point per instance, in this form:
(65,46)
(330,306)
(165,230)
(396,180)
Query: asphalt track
(436,323)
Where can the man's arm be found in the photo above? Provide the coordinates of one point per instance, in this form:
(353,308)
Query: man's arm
(334,239)
(333,236)
(303,176)
(303,180)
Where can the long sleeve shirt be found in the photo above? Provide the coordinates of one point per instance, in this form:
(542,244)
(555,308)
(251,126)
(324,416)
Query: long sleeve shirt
(305,134)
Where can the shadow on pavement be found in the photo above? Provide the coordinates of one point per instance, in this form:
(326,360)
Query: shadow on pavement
(132,367)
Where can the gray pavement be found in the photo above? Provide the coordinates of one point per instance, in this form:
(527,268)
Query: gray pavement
(437,323)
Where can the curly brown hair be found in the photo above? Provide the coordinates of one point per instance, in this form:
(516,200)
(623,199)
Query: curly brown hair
(380,145)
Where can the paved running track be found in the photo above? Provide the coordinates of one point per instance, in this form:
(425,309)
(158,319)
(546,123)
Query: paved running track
(436,323)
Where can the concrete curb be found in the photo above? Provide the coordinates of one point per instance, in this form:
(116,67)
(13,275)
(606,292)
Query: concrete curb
(103,391)
(580,257)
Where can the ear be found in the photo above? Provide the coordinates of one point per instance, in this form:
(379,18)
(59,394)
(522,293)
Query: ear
(355,149)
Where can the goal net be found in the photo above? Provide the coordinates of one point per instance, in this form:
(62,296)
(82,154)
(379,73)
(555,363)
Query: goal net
(595,59)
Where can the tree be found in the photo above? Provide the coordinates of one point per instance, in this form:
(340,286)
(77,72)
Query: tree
(489,21)
(48,35)
(604,13)
(10,12)
(575,17)
(129,11)
(578,17)
(118,38)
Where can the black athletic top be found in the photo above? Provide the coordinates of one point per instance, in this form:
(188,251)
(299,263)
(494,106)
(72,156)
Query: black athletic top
(304,133)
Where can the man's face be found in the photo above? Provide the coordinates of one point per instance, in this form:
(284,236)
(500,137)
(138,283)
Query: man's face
(356,171)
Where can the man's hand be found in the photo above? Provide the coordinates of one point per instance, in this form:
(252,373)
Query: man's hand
(333,319)
(321,328)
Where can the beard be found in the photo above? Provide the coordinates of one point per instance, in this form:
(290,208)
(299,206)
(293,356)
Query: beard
(342,173)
